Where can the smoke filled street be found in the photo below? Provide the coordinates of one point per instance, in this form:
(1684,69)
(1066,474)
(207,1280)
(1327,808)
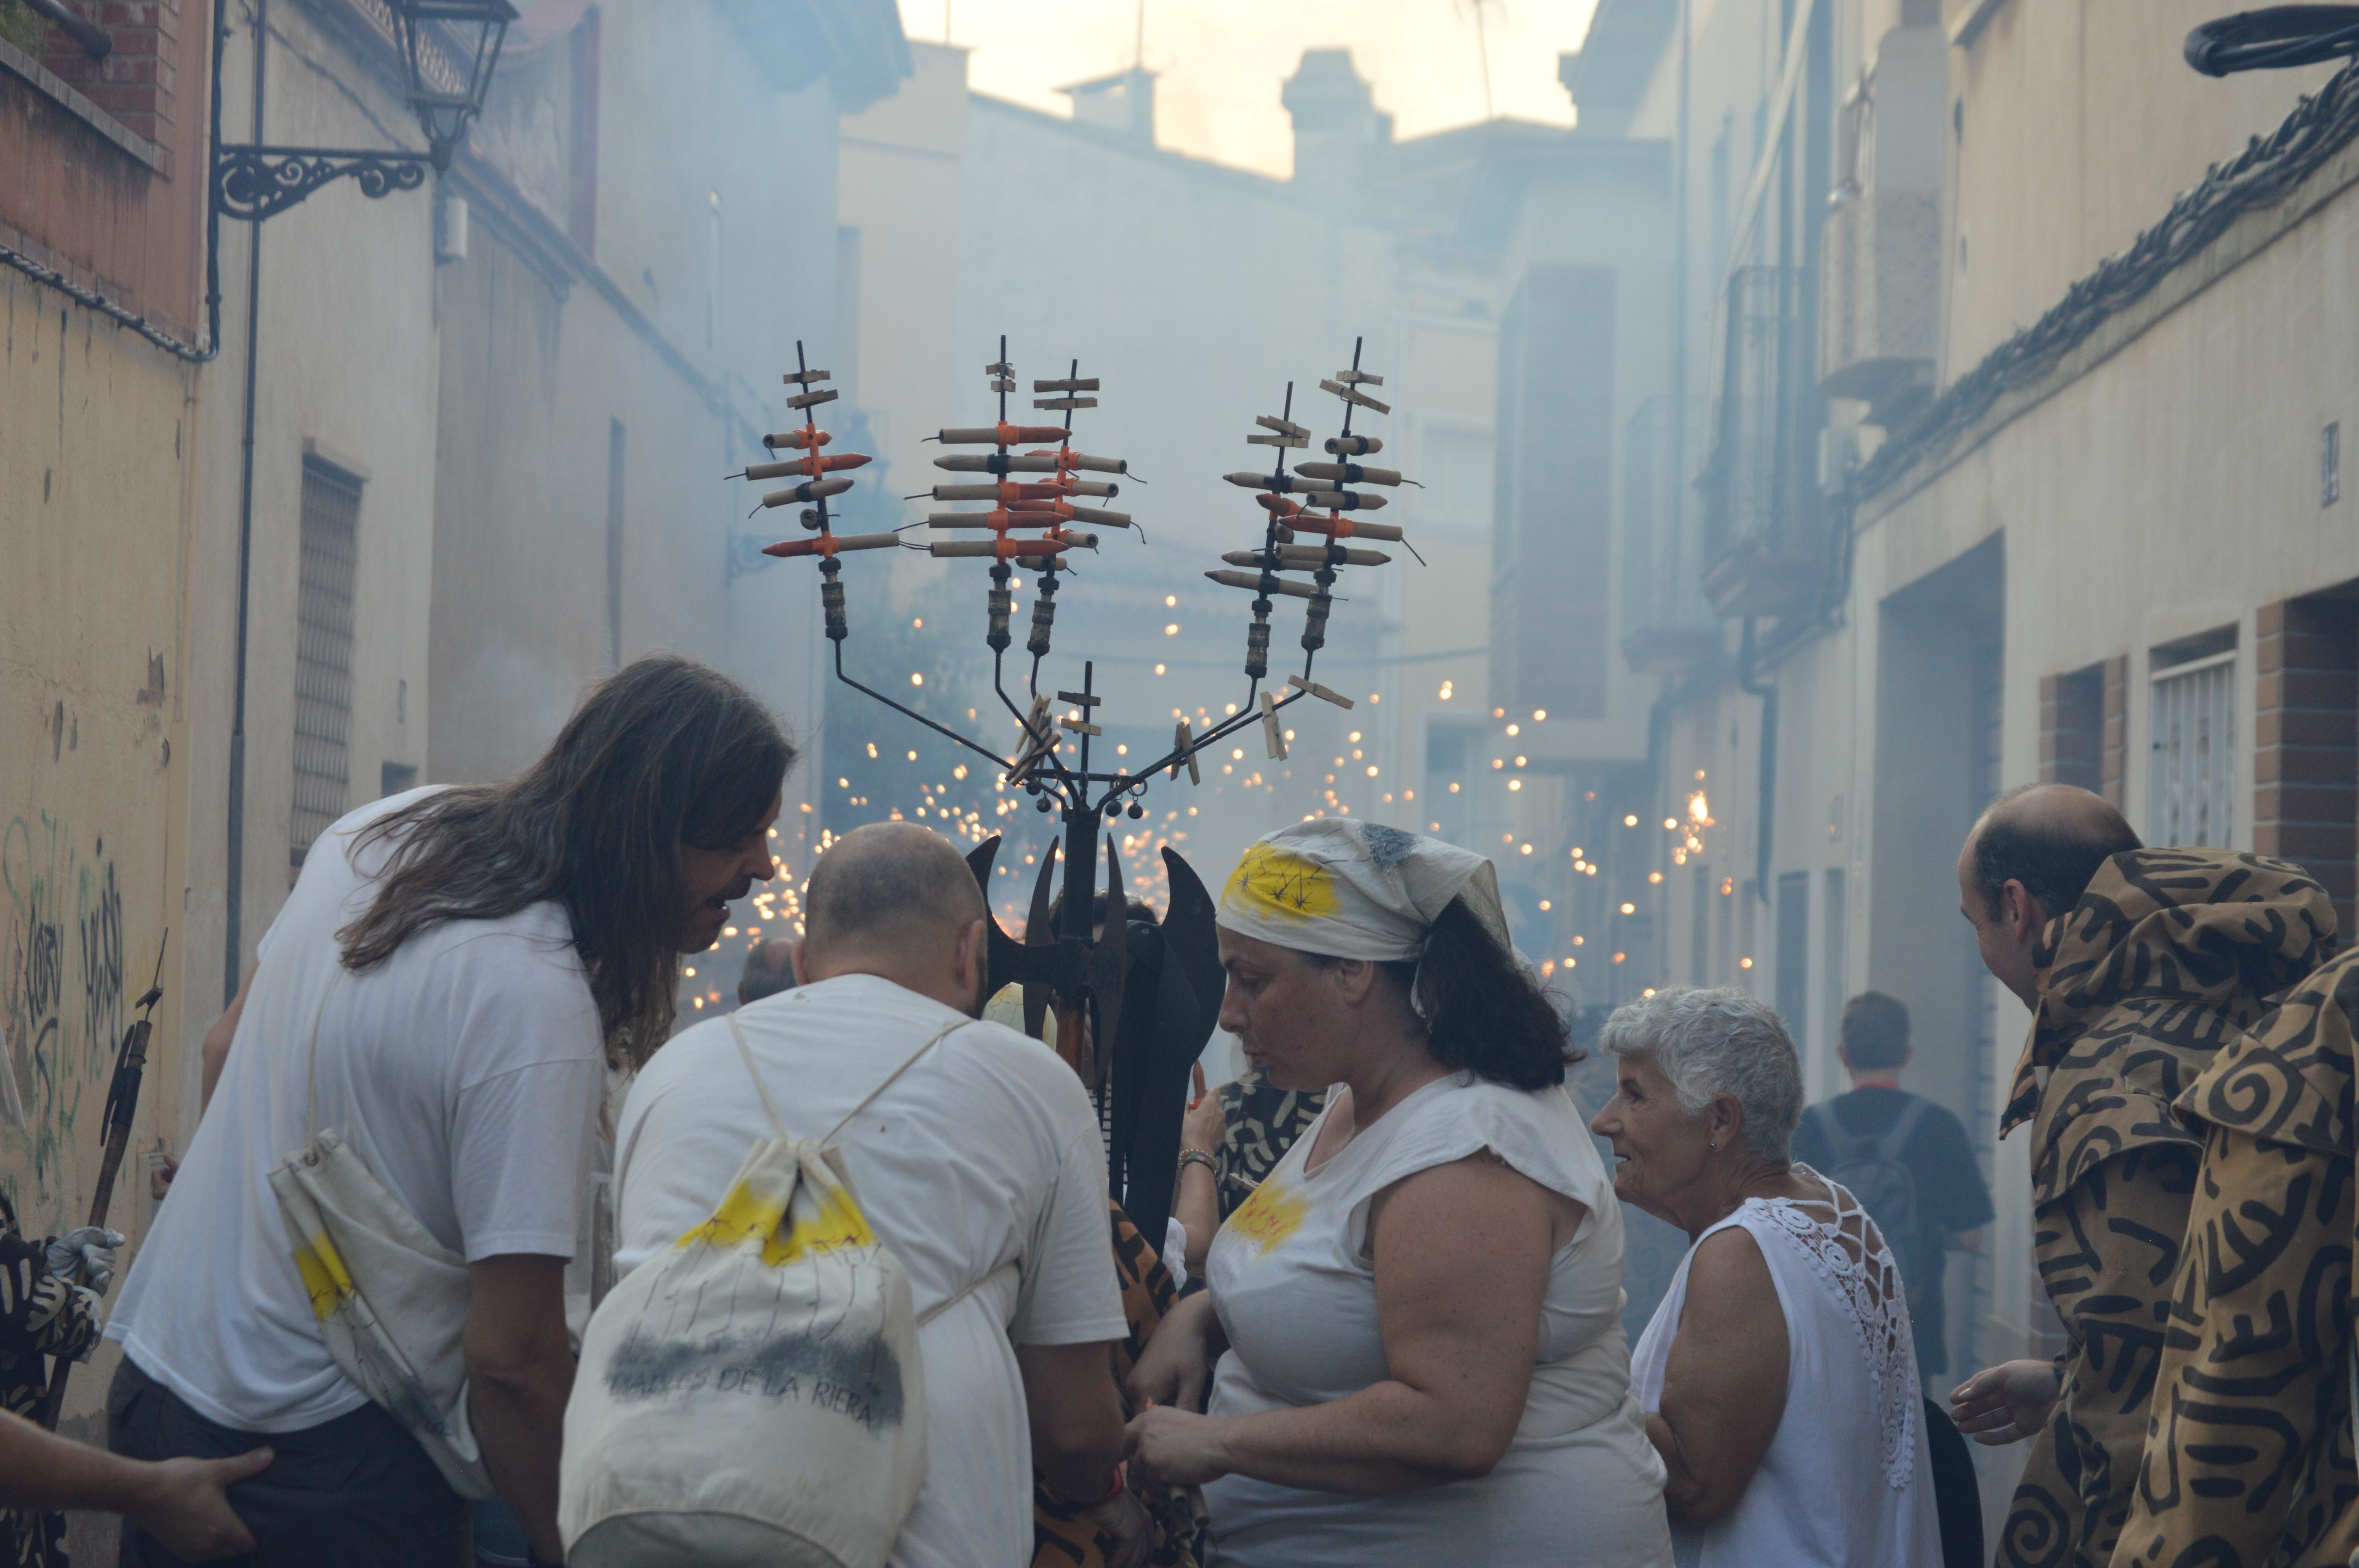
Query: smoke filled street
(1651,710)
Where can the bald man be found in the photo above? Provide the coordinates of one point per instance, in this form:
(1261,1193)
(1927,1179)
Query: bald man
(2138,966)
(979,1163)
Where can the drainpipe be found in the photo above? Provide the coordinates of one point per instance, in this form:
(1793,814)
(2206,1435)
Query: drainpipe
(234,930)
(1767,690)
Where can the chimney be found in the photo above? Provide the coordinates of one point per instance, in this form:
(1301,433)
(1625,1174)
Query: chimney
(1122,103)
(1336,126)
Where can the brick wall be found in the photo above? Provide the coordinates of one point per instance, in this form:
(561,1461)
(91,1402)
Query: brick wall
(2306,740)
(138,82)
(2081,729)
(2114,745)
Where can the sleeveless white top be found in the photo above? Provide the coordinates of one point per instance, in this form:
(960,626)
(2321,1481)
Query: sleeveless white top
(1848,1480)
(1292,1282)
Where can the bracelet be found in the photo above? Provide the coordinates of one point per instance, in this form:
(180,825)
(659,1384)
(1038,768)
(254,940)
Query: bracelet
(1198,1157)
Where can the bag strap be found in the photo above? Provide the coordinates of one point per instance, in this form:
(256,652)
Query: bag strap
(1896,1137)
(311,1060)
(746,1056)
(940,1308)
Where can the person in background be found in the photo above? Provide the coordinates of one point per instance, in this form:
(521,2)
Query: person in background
(1778,1374)
(1232,1140)
(1905,1158)
(465,961)
(2138,966)
(1416,1316)
(49,1294)
(980,1165)
(769,969)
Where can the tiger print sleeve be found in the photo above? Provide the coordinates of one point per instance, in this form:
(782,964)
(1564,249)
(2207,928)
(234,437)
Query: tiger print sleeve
(2248,1456)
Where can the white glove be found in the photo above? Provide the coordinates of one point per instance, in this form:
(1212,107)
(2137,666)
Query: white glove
(97,1317)
(86,1256)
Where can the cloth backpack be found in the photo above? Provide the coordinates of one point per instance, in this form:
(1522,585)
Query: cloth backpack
(754,1397)
(1870,1167)
(391,1300)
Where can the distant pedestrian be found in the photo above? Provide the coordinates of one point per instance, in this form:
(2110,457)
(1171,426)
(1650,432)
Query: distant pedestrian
(1905,1158)
(769,969)
(442,991)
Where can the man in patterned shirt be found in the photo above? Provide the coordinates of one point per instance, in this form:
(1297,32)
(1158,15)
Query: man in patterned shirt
(2140,966)
(42,1313)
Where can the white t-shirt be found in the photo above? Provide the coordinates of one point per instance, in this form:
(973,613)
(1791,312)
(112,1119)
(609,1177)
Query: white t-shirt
(980,1162)
(465,1071)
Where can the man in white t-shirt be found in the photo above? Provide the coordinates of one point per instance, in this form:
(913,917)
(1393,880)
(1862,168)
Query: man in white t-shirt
(451,971)
(981,1167)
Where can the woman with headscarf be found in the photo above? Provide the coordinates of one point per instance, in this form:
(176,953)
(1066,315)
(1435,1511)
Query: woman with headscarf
(1779,1372)
(1415,1317)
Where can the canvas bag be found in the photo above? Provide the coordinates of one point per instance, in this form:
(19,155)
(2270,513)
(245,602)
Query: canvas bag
(755,1396)
(392,1300)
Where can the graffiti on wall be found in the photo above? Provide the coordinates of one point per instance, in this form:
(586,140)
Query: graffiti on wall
(62,1002)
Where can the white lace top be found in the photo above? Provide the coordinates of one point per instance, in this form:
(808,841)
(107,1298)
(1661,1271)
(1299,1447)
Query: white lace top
(1847,1480)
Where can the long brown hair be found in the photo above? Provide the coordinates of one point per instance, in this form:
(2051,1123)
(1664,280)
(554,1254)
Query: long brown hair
(664,752)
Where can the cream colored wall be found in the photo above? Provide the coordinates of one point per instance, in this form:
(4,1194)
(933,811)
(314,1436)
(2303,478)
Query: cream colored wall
(98,456)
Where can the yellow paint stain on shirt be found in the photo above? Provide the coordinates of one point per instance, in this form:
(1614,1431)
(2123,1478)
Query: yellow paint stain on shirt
(1274,1213)
(325,1278)
(1280,882)
(825,1220)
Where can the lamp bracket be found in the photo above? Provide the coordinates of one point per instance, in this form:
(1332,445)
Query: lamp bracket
(256,182)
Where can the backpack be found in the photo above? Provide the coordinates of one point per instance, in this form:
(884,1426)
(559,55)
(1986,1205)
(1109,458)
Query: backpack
(755,1397)
(1869,1166)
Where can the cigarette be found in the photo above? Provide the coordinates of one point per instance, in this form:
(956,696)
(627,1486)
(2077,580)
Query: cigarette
(800,440)
(828,544)
(1000,435)
(1350,473)
(810,490)
(812,466)
(1253,580)
(1353,445)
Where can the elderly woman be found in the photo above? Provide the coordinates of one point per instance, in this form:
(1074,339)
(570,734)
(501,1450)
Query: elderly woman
(1777,1375)
(1414,1315)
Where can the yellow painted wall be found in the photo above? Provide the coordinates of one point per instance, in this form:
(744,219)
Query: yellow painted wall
(97,455)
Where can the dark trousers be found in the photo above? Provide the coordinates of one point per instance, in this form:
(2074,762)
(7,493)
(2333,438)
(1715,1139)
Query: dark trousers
(354,1492)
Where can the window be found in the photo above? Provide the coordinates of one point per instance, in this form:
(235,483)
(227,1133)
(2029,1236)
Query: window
(2192,766)
(323,653)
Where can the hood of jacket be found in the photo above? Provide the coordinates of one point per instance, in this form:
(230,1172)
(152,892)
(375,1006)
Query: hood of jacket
(2169,955)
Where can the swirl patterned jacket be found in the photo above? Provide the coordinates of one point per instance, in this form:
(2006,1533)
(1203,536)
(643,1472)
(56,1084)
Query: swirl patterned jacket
(2168,957)
(41,1314)
(2248,1456)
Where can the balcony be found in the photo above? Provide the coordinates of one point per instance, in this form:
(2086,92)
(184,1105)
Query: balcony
(1880,283)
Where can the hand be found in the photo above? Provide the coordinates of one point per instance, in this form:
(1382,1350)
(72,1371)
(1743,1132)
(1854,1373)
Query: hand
(85,1256)
(2005,1403)
(1124,1518)
(1207,1124)
(1168,1447)
(187,1511)
(160,1179)
(1173,1369)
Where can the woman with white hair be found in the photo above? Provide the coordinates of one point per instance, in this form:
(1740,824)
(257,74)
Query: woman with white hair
(1778,1376)
(1416,1315)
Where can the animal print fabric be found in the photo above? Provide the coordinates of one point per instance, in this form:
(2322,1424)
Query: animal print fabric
(41,1314)
(1062,1534)
(2168,957)
(2248,1458)
(1264,1122)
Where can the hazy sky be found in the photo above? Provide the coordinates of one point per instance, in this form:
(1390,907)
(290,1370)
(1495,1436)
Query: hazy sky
(1223,61)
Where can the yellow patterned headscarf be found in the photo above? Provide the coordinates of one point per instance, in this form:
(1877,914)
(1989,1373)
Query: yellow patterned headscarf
(1357,890)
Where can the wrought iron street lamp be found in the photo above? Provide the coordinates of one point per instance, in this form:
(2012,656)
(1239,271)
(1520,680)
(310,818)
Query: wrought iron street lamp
(449,51)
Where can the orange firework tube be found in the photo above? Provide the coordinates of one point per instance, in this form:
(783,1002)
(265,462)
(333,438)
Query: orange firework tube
(827,545)
(800,440)
(1279,505)
(1344,527)
(811,467)
(810,490)
(1066,459)
(1001,435)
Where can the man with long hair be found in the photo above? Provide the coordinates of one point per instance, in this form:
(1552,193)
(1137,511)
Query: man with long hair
(444,989)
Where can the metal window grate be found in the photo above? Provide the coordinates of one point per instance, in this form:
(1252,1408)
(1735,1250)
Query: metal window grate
(324,655)
(2193,770)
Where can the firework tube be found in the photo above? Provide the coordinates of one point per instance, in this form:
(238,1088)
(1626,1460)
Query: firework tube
(812,466)
(1007,549)
(810,490)
(1000,435)
(1350,473)
(1353,445)
(1002,520)
(1066,457)
(829,544)
(1070,512)
(1344,527)
(1006,491)
(800,440)
(1252,581)
(999,462)
(1282,483)
(1299,557)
